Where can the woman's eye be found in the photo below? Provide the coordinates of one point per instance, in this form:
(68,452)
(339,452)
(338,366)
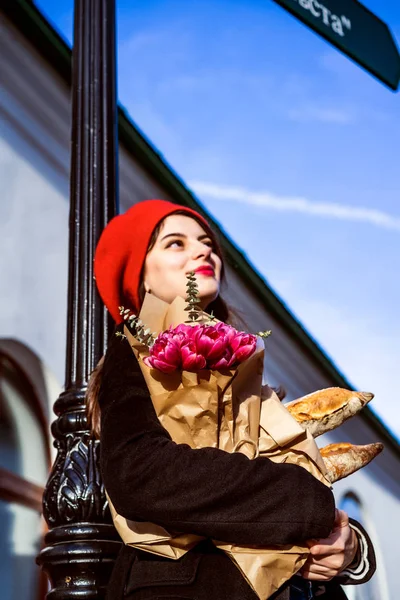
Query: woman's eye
(175,244)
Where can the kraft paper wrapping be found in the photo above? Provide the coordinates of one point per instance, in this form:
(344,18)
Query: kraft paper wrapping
(231,411)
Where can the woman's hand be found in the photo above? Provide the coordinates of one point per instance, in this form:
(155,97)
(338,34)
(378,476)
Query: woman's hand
(328,557)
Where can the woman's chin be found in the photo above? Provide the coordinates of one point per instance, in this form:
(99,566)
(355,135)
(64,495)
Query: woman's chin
(208,295)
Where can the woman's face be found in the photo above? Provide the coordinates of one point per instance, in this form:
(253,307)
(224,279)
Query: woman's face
(182,245)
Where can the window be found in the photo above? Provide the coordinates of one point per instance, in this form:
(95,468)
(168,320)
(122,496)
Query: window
(24,464)
(372,590)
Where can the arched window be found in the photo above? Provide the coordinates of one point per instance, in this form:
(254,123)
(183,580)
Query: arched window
(375,588)
(24,465)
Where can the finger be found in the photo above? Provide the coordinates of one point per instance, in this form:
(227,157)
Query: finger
(323,542)
(337,542)
(319,552)
(314,577)
(328,570)
(335,545)
(351,549)
(341,518)
(334,562)
(332,537)
(321,572)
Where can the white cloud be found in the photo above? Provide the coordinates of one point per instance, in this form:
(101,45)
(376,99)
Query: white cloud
(296,204)
(321,115)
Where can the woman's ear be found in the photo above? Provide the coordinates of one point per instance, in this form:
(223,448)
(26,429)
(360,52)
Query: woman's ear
(147,288)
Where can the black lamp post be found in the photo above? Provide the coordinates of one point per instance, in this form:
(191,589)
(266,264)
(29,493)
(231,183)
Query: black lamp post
(82,542)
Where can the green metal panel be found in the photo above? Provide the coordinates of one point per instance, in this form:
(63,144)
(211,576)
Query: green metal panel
(354,30)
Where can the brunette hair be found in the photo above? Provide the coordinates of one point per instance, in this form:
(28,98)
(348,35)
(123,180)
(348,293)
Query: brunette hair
(218,307)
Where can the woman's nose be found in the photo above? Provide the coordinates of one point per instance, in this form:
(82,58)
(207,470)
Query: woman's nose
(201,250)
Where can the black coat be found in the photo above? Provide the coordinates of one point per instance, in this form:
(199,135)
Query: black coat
(206,491)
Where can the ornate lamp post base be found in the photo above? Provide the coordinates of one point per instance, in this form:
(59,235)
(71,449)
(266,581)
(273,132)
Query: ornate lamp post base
(79,560)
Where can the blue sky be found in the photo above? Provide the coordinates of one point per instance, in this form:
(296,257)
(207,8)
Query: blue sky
(251,108)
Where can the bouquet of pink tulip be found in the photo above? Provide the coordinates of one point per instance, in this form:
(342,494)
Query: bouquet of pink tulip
(198,347)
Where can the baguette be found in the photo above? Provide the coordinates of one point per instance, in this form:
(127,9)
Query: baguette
(343,459)
(327,409)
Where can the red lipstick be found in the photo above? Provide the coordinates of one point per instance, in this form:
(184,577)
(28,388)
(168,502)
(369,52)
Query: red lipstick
(205,270)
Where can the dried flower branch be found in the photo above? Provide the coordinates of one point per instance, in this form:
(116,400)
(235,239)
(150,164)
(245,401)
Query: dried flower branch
(264,334)
(139,330)
(192,298)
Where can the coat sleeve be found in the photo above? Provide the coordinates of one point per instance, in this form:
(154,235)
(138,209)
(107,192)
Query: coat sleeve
(205,491)
(364,563)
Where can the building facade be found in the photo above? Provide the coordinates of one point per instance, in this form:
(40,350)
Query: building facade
(34,163)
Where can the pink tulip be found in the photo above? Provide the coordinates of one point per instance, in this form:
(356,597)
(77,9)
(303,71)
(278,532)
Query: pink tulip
(226,330)
(224,362)
(191,360)
(243,345)
(165,353)
(186,330)
(210,342)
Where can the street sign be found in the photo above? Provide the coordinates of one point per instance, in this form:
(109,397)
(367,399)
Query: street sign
(355,30)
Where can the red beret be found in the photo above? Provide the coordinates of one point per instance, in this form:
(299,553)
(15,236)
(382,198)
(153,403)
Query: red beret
(122,249)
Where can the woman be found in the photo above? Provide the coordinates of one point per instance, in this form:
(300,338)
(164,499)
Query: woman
(208,492)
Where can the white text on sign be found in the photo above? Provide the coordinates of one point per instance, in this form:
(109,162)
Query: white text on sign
(338,24)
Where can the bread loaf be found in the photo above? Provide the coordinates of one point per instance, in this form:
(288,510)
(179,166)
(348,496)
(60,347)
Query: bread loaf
(343,459)
(326,409)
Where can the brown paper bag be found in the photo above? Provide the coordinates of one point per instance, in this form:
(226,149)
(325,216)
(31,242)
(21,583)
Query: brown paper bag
(233,412)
